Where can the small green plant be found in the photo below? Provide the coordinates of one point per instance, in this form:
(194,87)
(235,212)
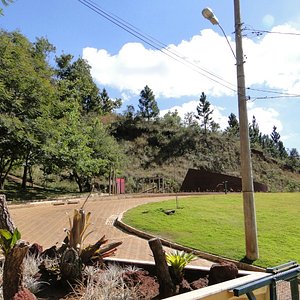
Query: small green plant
(8,239)
(178,261)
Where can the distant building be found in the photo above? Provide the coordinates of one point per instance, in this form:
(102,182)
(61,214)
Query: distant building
(120,186)
(205,181)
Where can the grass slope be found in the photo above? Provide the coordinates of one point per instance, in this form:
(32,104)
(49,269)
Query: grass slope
(215,224)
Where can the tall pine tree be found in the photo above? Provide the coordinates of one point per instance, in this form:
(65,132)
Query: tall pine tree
(147,104)
(204,113)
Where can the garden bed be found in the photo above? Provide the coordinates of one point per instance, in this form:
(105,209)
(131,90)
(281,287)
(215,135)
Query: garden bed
(140,278)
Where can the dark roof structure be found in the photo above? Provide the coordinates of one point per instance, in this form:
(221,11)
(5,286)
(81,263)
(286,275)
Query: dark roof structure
(206,181)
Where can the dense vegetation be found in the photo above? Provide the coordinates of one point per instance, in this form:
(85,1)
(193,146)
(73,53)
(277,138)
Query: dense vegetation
(56,124)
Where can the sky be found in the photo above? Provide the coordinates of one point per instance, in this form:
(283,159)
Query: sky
(187,55)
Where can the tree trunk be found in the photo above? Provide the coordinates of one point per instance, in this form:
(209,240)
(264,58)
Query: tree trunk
(26,168)
(1,183)
(110,181)
(2,170)
(78,181)
(13,271)
(166,286)
(5,219)
(13,264)
(24,178)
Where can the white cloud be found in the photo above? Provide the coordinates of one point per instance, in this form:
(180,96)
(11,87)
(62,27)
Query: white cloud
(272,60)
(266,118)
(135,66)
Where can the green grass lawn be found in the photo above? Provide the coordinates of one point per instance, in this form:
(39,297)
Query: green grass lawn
(215,224)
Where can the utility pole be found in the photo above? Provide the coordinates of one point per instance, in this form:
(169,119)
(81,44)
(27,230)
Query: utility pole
(246,165)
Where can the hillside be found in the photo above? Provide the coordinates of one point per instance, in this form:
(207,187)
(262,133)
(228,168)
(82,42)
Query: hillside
(164,148)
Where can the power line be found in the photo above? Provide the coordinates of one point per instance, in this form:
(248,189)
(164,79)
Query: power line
(163,48)
(284,94)
(275,97)
(260,32)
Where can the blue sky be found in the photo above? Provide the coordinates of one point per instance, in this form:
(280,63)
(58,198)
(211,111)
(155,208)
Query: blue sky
(123,64)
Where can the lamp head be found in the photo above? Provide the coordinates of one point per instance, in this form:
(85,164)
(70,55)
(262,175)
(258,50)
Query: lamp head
(209,15)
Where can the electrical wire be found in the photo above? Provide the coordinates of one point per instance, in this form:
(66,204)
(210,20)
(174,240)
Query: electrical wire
(274,92)
(258,31)
(161,47)
(275,97)
(165,49)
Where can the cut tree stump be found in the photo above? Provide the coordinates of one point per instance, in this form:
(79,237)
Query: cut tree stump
(13,265)
(166,285)
(13,271)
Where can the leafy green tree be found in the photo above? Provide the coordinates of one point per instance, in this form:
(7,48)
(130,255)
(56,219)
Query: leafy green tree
(75,81)
(147,104)
(233,125)
(215,127)
(293,159)
(166,128)
(176,140)
(107,104)
(5,2)
(204,113)
(79,145)
(281,150)
(129,113)
(254,132)
(25,90)
(278,144)
(267,144)
(67,149)
(275,136)
(189,119)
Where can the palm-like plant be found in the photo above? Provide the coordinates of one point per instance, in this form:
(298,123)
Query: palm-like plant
(178,261)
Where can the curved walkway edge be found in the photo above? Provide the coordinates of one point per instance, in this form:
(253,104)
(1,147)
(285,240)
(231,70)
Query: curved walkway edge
(211,257)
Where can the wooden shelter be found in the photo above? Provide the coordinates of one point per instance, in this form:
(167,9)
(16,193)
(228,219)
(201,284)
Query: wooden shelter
(206,181)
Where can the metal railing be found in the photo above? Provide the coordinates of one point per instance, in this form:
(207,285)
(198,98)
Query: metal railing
(288,272)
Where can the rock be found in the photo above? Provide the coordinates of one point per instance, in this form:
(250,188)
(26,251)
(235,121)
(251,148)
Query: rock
(24,294)
(146,285)
(222,272)
(199,283)
(184,287)
(169,211)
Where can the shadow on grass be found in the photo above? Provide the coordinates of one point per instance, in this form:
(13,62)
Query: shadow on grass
(247,260)
(14,193)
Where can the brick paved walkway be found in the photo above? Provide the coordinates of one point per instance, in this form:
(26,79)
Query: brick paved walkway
(44,223)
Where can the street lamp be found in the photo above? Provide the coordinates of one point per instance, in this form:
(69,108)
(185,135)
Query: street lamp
(246,166)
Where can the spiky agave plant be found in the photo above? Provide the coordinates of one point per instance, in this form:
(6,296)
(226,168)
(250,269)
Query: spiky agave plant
(74,254)
(178,261)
